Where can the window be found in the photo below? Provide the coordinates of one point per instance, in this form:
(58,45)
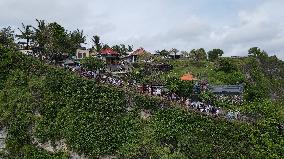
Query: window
(84,55)
(79,55)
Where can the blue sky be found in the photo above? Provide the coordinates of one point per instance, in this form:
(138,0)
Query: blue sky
(232,25)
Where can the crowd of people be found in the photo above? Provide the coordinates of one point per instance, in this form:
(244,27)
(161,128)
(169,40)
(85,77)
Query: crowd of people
(188,103)
(164,93)
(230,99)
(203,107)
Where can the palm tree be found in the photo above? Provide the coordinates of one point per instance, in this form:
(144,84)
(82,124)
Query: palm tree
(26,34)
(41,36)
(96,41)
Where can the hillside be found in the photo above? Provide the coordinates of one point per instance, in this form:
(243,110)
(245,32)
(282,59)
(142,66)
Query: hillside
(42,104)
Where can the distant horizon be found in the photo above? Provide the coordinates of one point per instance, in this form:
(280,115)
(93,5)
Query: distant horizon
(233,26)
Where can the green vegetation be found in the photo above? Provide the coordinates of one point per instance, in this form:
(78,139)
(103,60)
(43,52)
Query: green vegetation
(214,54)
(52,104)
(92,63)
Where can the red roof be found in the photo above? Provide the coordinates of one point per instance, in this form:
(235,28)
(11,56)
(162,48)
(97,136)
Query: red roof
(140,51)
(108,51)
(188,77)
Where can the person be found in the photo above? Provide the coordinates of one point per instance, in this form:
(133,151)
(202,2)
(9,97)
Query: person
(193,104)
(159,92)
(187,102)
(218,112)
(174,96)
(230,115)
(140,88)
(214,110)
(237,114)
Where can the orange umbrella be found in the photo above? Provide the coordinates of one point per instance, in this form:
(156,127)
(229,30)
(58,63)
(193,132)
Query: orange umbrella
(188,77)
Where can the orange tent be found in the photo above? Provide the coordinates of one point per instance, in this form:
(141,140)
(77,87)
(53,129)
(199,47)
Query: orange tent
(188,77)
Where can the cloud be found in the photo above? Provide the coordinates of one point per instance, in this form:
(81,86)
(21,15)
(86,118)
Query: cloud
(233,26)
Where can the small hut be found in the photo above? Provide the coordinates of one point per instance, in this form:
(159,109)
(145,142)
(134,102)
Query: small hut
(188,77)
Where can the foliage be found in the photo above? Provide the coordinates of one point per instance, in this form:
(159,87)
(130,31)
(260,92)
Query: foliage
(96,41)
(142,102)
(185,54)
(51,40)
(92,63)
(27,34)
(94,119)
(145,57)
(226,65)
(163,53)
(122,49)
(256,52)
(198,54)
(215,54)
(207,97)
(182,88)
(31,152)
(41,36)
(7,37)
(174,51)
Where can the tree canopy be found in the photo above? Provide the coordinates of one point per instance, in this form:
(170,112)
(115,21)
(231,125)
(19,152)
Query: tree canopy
(214,54)
(198,54)
(92,63)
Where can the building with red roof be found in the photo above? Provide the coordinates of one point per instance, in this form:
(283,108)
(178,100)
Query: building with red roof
(135,54)
(138,52)
(109,55)
(108,52)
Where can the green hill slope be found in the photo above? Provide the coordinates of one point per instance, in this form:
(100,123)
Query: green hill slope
(43,103)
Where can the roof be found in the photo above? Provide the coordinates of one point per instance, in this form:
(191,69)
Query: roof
(68,62)
(108,51)
(138,52)
(227,89)
(188,77)
(177,54)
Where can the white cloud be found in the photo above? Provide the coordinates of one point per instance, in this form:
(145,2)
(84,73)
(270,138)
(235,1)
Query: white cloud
(233,26)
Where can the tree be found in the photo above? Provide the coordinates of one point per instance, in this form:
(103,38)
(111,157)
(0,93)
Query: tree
(256,52)
(163,53)
(227,66)
(52,40)
(59,41)
(123,49)
(198,55)
(41,37)
(96,41)
(92,63)
(27,34)
(181,88)
(7,37)
(105,46)
(130,48)
(185,53)
(116,48)
(214,54)
(75,39)
(175,51)
(145,57)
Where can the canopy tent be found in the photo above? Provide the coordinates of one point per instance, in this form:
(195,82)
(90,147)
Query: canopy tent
(188,77)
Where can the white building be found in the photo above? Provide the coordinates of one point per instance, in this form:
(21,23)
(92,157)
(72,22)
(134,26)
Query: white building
(80,54)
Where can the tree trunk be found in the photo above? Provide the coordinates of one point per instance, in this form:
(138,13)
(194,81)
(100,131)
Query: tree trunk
(27,47)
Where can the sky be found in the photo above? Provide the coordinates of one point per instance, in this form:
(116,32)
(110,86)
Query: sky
(231,25)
